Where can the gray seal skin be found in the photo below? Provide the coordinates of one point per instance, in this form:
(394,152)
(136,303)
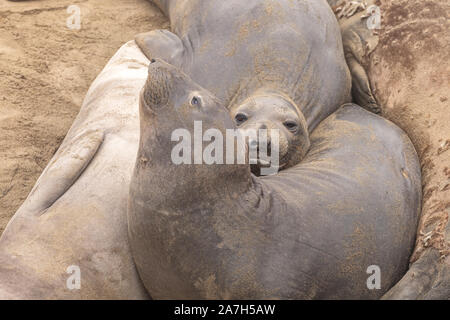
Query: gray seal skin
(288,51)
(309,232)
(260,111)
(76,213)
(358,41)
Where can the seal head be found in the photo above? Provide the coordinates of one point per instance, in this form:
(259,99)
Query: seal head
(170,100)
(172,108)
(273,112)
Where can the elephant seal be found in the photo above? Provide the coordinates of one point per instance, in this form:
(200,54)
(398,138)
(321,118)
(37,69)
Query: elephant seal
(412,85)
(263,112)
(288,51)
(409,40)
(311,231)
(75,216)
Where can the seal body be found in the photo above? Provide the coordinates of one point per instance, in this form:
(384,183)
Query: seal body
(429,275)
(236,48)
(288,52)
(310,232)
(73,223)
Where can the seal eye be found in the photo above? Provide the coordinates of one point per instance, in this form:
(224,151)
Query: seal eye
(291,125)
(195,101)
(240,118)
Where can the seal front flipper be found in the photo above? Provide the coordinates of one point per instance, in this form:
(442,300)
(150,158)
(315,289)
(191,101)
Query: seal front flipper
(359,39)
(358,42)
(361,91)
(428,278)
(64,169)
(161,44)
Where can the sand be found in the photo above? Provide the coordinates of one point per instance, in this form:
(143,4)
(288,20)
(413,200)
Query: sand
(410,74)
(46,69)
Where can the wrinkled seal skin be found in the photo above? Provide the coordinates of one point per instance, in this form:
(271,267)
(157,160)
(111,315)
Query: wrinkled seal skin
(422,46)
(358,41)
(311,231)
(405,38)
(76,212)
(241,49)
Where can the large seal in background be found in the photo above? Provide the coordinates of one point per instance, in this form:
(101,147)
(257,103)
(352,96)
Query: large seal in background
(284,54)
(410,71)
(402,60)
(311,231)
(75,216)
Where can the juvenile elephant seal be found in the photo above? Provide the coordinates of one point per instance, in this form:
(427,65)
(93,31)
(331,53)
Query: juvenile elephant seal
(289,52)
(399,55)
(263,112)
(311,231)
(412,84)
(75,216)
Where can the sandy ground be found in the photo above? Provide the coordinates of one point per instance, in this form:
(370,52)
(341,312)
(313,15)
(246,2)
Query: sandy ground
(410,73)
(45,71)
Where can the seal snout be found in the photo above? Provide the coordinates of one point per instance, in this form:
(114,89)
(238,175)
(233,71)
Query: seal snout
(253,142)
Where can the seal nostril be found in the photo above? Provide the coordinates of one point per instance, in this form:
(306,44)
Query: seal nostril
(152,61)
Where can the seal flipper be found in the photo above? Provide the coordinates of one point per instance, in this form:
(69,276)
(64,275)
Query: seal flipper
(161,44)
(358,41)
(361,91)
(62,171)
